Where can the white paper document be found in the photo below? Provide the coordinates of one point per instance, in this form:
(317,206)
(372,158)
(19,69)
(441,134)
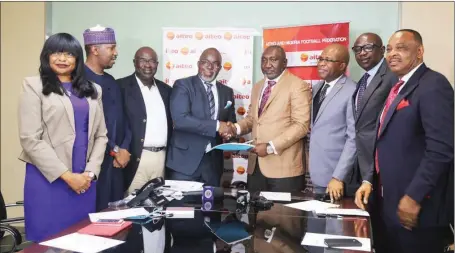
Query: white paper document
(311,205)
(277,196)
(233,147)
(82,243)
(184,186)
(120,214)
(314,239)
(342,211)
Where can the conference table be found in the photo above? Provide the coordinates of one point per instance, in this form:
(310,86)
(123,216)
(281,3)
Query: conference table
(289,226)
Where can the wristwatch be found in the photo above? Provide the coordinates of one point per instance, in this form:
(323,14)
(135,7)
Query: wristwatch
(92,175)
(269,149)
(114,151)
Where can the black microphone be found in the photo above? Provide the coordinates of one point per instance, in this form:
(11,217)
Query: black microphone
(217,192)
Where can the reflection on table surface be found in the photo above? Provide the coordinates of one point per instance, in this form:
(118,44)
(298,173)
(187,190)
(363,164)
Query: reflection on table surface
(289,226)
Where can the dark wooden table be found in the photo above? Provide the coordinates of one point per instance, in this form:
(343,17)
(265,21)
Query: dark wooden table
(291,225)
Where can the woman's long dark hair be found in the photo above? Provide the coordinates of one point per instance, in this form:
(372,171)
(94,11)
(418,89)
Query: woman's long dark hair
(64,42)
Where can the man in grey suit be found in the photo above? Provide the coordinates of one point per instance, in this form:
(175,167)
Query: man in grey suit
(332,143)
(367,101)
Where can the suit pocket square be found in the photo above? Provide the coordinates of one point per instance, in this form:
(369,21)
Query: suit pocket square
(228,104)
(403,103)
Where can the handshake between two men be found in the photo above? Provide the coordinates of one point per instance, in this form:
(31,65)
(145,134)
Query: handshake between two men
(229,130)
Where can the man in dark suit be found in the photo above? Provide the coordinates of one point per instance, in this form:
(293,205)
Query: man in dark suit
(367,102)
(200,110)
(146,101)
(414,151)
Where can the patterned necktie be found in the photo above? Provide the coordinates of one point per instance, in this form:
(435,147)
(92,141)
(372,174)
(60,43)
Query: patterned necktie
(392,95)
(323,93)
(361,92)
(211,99)
(266,95)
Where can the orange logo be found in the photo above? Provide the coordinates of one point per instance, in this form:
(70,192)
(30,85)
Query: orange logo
(228,36)
(240,170)
(227,66)
(170,35)
(241,140)
(304,57)
(198,35)
(241,110)
(248,82)
(169,65)
(184,51)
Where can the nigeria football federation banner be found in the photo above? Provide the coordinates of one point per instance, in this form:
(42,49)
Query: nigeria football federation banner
(182,48)
(303,46)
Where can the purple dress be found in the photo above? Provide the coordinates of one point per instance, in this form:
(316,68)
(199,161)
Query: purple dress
(52,207)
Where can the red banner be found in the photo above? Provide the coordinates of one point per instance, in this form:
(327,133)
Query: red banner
(304,44)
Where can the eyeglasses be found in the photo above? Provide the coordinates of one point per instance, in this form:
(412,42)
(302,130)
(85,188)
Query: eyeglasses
(207,64)
(320,59)
(143,61)
(64,54)
(367,48)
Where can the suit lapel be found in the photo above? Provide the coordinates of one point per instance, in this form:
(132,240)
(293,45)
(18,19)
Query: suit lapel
(275,90)
(220,99)
(374,84)
(92,104)
(335,89)
(201,89)
(410,85)
(136,92)
(69,109)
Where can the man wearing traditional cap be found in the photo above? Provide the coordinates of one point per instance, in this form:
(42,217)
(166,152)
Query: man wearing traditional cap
(100,47)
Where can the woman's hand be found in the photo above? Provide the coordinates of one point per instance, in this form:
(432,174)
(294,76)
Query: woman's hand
(78,182)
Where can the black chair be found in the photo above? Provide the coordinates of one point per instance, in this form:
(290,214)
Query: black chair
(12,238)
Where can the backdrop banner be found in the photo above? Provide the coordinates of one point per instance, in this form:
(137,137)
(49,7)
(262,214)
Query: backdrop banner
(303,46)
(182,48)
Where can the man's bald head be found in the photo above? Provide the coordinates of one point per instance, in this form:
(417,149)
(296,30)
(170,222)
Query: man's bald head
(368,50)
(333,62)
(146,64)
(209,64)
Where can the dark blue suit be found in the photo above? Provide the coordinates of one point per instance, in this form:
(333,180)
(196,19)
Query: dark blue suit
(194,129)
(415,156)
(110,182)
(137,116)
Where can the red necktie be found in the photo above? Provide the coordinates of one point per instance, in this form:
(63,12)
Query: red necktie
(392,95)
(266,95)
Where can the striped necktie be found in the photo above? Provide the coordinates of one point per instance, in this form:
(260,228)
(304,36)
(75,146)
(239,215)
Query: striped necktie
(211,99)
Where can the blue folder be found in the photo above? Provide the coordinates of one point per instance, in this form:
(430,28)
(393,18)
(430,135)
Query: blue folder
(233,147)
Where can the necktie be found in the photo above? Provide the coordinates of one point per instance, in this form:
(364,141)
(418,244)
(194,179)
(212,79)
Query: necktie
(211,99)
(362,88)
(323,93)
(392,95)
(266,95)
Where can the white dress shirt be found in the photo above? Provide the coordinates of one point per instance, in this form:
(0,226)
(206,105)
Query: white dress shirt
(331,84)
(266,83)
(156,125)
(215,96)
(372,72)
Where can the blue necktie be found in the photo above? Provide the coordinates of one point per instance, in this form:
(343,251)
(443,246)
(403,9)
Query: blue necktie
(211,99)
(361,92)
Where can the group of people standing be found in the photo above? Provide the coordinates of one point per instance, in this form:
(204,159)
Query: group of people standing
(89,139)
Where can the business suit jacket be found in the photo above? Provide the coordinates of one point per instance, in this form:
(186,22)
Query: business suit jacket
(332,141)
(415,149)
(365,123)
(137,116)
(285,120)
(47,131)
(193,127)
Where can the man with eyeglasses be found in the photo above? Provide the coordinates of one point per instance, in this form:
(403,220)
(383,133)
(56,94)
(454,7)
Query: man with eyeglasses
(367,102)
(200,107)
(146,102)
(332,141)
(101,51)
